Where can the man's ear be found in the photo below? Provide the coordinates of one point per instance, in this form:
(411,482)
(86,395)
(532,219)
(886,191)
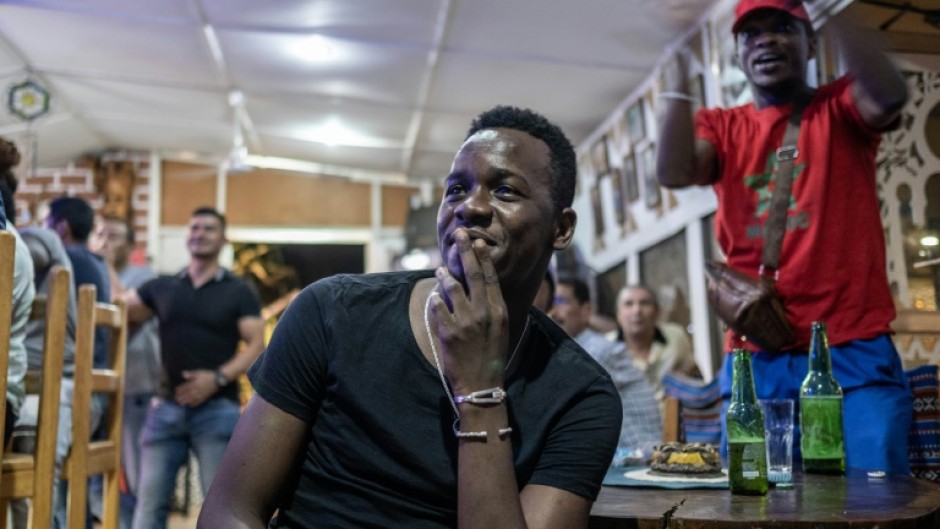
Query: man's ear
(63,228)
(564,228)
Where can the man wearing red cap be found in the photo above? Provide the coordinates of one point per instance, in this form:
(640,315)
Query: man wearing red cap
(832,263)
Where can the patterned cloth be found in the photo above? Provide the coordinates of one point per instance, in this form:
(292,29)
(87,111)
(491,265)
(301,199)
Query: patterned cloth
(700,408)
(924,438)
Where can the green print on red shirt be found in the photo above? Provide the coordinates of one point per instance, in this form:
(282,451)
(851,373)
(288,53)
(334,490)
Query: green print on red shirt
(760,183)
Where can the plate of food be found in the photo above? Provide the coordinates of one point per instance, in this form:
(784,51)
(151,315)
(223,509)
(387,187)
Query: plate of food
(674,465)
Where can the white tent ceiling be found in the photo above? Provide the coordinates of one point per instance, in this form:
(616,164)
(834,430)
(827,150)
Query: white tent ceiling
(403,82)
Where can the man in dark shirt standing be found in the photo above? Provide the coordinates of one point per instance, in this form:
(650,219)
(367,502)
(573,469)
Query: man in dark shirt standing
(204,311)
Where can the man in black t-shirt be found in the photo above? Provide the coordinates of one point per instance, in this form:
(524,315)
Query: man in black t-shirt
(204,312)
(427,399)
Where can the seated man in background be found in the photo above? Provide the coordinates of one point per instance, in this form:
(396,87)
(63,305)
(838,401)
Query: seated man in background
(409,424)
(23,290)
(46,251)
(657,348)
(642,426)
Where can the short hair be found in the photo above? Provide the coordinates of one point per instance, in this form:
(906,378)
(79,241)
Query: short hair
(638,286)
(206,210)
(578,287)
(9,157)
(129,230)
(563,162)
(77,212)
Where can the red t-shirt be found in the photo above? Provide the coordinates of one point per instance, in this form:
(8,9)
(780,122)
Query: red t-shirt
(832,264)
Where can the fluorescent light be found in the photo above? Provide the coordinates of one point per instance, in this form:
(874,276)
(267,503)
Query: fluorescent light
(930,240)
(315,48)
(333,132)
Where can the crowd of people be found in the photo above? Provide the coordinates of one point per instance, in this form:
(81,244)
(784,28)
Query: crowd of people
(481,396)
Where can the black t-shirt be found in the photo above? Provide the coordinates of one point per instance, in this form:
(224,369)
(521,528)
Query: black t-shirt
(198,327)
(382,451)
(88,268)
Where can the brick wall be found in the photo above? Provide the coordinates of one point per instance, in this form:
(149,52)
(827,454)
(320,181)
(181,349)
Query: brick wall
(83,180)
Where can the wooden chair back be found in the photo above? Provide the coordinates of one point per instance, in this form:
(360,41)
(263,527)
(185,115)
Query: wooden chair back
(672,427)
(31,475)
(7,266)
(86,457)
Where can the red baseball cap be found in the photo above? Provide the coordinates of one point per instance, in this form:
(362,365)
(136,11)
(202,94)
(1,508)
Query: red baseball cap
(746,7)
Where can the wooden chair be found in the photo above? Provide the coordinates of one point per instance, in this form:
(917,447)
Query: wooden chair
(88,458)
(672,427)
(31,475)
(7,266)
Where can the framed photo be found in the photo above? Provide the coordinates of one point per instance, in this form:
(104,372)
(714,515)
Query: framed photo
(599,157)
(598,211)
(646,169)
(584,169)
(631,187)
(619,197)
(636,122)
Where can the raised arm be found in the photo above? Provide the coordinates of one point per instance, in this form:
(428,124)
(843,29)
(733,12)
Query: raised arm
(263,454)
(681,159)
(879,90)
(137,310)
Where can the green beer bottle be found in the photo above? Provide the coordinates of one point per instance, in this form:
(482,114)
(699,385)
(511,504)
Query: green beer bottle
(747,455)
(821,438)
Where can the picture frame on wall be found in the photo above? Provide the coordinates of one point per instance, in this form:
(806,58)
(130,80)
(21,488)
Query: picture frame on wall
(619,198)
(585,170)
(599,157)
(598,209)
(636,122)
(646,169)
(631,187)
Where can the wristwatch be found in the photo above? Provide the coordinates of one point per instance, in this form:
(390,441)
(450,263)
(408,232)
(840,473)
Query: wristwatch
(220,379)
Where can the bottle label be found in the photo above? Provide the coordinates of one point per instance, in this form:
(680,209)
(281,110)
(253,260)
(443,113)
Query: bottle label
(821,428)
(749,457)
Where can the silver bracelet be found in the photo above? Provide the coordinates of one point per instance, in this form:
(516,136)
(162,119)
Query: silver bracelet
(678,96)
(483,435)
(484,396)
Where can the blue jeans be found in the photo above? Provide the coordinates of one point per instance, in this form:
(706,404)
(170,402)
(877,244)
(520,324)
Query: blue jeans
(135,415)
(877,402)
(170,432)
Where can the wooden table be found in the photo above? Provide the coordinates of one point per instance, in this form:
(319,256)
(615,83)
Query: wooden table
(818,502)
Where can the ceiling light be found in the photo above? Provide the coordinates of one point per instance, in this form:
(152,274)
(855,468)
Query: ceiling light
(333,133)
(930,240)
(313,49)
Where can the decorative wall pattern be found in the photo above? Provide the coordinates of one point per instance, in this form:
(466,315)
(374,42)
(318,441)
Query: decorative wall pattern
(908,176)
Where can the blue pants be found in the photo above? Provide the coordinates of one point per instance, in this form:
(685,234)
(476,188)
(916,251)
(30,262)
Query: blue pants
(132,427)
(170,432)
(876,399)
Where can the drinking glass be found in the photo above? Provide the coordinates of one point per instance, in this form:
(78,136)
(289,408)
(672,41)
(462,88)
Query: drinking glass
(778,431)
